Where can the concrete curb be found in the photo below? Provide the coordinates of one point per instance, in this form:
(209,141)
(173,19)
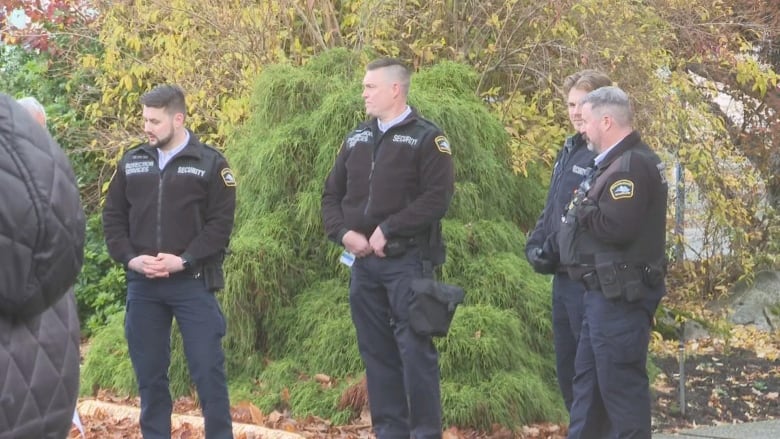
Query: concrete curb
(91,407)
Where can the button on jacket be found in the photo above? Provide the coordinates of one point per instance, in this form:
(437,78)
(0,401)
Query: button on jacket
(185,209)
(401,180)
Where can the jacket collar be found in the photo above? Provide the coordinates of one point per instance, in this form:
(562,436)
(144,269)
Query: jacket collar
(373,123)
(627,143)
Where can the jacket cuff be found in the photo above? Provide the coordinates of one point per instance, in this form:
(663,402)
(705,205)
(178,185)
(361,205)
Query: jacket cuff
(126,260)
(385,229)
(187,256)
(340,236)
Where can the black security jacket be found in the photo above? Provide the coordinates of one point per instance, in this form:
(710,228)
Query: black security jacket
(622,220)
(401,180)
(570,167)
(41,252)
(186,209)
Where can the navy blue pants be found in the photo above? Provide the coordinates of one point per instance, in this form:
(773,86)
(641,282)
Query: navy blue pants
(402,367)
(151,306)
(567,313)
(611,383)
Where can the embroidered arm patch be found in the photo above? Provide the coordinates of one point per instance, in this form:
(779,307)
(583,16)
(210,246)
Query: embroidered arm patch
(443,145)
(622,189)
(227,177)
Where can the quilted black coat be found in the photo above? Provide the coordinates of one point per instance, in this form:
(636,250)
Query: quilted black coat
(41,251)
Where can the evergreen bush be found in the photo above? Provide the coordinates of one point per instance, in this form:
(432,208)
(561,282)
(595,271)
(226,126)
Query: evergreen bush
(286,294)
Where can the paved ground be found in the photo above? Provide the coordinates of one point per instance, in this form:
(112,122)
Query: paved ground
(754,430)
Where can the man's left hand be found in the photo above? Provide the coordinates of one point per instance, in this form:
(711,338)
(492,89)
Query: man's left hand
(173,263)
(377,242)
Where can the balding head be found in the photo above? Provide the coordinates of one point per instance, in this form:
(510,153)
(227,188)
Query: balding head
(35,109)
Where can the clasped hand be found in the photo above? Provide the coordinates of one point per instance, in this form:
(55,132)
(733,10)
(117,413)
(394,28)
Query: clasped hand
(360,246)
(153,267)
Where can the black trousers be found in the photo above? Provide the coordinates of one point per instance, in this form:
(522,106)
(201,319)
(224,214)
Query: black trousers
(151,306)
(402,367)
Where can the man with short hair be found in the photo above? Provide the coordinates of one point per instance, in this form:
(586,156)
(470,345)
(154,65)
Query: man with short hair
(168,218)
(383,201)
(613,238)
(571,166)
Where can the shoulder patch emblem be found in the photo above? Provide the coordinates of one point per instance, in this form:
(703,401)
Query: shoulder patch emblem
(622,189)
(227,177)
(443,145)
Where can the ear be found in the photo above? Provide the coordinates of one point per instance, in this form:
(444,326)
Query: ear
(178,119)
(396,89)
(606,121)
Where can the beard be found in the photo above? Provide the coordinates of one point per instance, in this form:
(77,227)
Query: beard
(162,142)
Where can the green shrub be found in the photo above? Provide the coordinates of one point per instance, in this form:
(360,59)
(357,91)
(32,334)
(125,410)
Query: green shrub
(107,364)
(100,288)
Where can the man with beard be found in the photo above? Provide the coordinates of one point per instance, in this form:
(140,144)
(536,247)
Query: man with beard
(168,218)
(613,238)
(571,166)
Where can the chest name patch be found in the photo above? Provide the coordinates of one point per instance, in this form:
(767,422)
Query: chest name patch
(579,170)
(400,138)
(191,170)
(363,136)
(138,167)
(622,189)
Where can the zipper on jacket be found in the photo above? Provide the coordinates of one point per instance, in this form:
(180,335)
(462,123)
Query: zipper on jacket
(159,210)
(374,153)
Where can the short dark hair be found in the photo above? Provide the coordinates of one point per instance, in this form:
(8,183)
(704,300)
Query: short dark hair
(586,80)
(167,96)
(397,69)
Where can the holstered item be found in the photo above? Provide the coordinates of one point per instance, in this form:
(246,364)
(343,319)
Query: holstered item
(213,277)
(619,279)
(653,276)
(213,274)
(432,306)
(608,280)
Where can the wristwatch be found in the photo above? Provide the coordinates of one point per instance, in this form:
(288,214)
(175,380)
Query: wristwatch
(185,263)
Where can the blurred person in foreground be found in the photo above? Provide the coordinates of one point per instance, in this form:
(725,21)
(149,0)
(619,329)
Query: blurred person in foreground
(42,227)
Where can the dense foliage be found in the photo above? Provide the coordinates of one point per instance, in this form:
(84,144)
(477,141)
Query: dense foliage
(89,60)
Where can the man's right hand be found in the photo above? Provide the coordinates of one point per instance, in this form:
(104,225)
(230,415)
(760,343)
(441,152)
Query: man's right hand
(356,243)
(150,266)
(539,261)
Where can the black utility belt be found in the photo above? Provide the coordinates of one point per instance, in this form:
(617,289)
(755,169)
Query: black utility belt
(622,280)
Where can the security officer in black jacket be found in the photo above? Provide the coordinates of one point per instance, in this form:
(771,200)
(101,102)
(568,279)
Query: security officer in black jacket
(168,218)
(613,239)
(541,249)
(391,184)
